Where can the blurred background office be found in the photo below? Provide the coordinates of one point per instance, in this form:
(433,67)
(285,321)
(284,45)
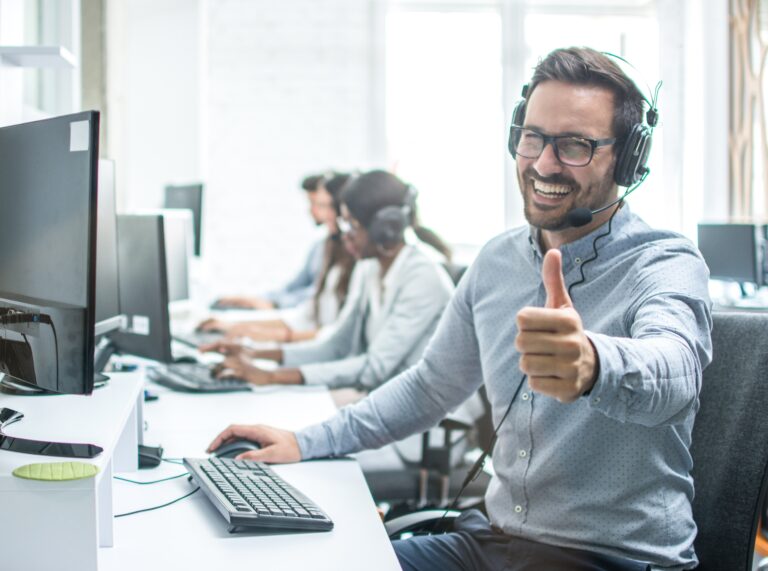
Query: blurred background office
(248,96)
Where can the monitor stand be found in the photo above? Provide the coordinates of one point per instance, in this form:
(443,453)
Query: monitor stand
(41,447)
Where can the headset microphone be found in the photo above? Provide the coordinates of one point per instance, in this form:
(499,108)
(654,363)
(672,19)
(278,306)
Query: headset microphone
(581,216)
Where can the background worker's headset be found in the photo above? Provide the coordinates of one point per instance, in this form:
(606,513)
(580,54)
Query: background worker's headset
(632,152)
(387,227)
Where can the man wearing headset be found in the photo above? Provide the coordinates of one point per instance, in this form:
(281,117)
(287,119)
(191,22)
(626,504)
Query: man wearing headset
(590,331)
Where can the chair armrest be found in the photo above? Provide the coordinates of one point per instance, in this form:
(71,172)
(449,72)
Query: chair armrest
(418,521)
(452,424)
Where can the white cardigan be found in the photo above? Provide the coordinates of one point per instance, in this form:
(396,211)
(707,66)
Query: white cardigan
(416,290)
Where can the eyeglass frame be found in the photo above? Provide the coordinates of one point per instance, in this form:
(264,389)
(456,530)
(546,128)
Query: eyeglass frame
(552,140)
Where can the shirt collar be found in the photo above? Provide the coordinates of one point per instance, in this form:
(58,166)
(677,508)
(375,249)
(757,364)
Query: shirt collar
(577,251)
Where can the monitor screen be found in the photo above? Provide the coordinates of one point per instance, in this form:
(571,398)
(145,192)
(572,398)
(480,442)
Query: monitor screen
(143,287)
(732,251)
(107,294)
(48,218)
(188,196)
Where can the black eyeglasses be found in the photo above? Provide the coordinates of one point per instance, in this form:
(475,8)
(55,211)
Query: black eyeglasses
(569,150)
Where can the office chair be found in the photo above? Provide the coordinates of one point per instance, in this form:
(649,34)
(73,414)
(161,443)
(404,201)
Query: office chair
(435,477)
(729,448)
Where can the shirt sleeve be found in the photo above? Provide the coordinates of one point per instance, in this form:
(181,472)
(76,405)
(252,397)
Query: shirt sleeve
(653,376)
(414,401)
(302,286)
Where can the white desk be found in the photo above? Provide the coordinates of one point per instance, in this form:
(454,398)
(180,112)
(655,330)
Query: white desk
(47,525)
(191,534)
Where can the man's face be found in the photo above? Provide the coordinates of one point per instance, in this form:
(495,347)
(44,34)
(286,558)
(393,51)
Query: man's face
(321,206)
(551,189)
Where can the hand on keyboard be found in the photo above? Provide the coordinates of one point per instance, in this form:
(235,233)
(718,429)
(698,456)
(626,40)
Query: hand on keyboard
(240,367)
(277,446)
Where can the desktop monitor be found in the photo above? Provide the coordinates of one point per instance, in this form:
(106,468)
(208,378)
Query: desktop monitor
(733,252)
(143,287)
(188,196)
(179,242)
(108,317)
(48,226)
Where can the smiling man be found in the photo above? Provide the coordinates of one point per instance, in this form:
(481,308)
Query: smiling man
(590,341)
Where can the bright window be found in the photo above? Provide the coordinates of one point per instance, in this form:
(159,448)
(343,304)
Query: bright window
(445,120)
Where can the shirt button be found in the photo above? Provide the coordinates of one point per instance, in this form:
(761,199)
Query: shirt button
(577,261)
(518,509)
(596,400)
(525,396)
(523,453)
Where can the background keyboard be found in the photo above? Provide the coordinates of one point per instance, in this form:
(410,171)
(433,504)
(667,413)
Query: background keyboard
(250,494)
(194,378)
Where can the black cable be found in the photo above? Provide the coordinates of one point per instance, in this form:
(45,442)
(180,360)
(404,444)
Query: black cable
(474,472)
(151,481)
(582,277)
(158,507)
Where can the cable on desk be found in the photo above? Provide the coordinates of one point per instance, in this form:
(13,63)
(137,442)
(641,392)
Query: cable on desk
(151,481)
(158,507)
(174,461)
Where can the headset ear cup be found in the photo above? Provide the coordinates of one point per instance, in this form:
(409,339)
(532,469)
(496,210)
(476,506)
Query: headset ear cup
(518,116)
(388,225)
(630,164)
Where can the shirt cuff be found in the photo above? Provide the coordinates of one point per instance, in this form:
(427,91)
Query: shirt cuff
(605,394)
(314,442)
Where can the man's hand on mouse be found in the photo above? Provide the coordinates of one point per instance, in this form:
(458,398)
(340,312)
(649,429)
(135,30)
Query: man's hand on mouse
(277,446)
(556,354)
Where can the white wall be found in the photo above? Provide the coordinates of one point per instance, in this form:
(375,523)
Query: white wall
(152,75)
(288,93)
(247,96)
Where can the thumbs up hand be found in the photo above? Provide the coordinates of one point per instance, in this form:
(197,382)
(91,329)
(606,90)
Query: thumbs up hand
(557,356)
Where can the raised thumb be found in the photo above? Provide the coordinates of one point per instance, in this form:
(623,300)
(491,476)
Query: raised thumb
(554,282)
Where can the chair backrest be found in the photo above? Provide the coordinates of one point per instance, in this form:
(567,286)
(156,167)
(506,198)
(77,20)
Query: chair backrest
(730,442)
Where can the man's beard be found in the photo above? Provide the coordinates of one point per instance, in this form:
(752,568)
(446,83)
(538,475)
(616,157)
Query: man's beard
(543,219)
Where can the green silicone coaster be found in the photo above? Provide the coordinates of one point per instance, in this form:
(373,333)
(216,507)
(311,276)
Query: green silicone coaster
(56,471)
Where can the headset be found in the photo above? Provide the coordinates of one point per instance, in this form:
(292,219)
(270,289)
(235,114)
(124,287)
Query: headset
(632,156)
(388,225)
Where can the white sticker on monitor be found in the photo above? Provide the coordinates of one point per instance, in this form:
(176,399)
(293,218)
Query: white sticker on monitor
(78,136)
(140,325)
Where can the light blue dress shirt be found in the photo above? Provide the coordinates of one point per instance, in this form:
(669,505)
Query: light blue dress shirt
(608,473)
(303,285)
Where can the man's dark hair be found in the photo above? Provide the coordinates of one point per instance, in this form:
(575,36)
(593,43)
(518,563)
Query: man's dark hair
(311,182)
(585,66)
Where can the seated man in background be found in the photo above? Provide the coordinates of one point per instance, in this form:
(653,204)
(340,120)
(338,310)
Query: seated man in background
(307,319)
(397,296)
(302,286)
(590,340)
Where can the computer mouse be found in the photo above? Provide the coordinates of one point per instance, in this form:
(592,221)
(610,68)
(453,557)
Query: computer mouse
(185,359)
(235,448)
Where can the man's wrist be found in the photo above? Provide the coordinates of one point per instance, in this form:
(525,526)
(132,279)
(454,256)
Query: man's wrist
(595,368)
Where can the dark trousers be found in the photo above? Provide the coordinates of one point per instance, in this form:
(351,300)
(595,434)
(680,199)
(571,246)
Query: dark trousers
(475,545)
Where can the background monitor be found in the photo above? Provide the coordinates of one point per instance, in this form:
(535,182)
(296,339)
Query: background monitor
(48,190)
(143,287)
(179,243)
(733,252)
(108,315)
(188,196)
